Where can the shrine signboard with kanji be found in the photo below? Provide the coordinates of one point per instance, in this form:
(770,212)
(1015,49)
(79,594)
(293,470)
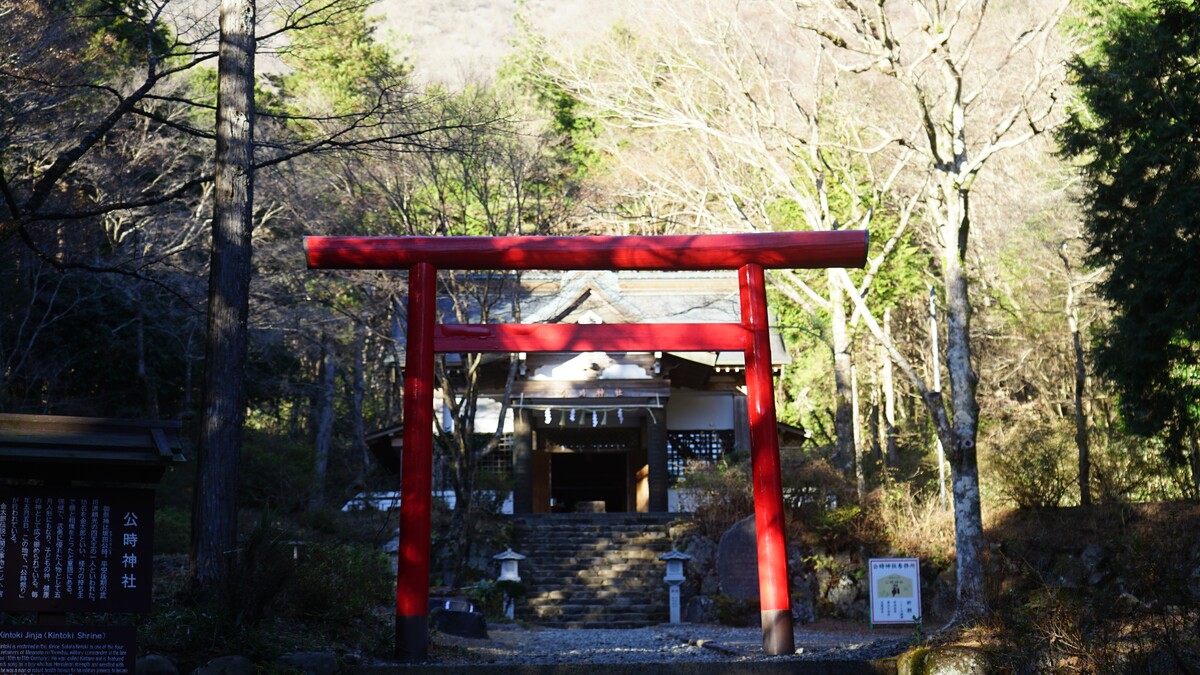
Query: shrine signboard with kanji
(75,549)
(895,590)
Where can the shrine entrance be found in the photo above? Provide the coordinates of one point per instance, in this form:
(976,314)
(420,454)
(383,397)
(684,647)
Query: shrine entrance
(749,254)
(590,469)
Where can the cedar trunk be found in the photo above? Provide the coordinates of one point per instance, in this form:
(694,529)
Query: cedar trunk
(214,516)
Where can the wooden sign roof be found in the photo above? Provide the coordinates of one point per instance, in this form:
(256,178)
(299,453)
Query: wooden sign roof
(62,449)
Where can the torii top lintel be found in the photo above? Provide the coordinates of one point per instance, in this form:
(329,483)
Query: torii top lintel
(770,250)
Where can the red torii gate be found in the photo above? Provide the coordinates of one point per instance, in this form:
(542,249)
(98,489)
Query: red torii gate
(749,254)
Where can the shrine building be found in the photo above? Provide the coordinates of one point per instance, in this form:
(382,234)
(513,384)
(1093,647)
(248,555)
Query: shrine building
(603,431)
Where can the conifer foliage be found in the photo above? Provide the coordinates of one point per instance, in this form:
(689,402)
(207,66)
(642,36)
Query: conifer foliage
(1137,135)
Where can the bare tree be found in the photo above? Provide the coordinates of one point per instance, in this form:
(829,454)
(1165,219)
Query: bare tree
(1077,285)
(494,185)
(716,114)
(87,181)
(971,81)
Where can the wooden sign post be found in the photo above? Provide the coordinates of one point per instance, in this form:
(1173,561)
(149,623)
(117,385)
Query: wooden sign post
(70,548)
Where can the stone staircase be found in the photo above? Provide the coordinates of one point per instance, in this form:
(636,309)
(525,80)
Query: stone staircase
(593,570)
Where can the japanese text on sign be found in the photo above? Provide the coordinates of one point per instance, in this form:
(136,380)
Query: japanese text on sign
(895,585)
(75,549)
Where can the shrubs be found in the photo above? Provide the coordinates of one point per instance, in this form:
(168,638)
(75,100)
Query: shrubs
(275,472)
(1034,463)
(488,595)
(284,593)
(336,585)
(735,612)
(1130,469)
(172,531)
(721,495)
(912,523)
(1055,630)
(1101,590)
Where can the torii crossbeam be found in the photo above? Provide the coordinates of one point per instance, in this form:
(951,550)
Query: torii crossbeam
(750,254)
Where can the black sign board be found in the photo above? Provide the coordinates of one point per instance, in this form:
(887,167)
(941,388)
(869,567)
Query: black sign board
(65,549)
(67,650)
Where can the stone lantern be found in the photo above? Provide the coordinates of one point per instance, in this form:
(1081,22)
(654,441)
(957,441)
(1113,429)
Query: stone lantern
(674,578)
(508,572)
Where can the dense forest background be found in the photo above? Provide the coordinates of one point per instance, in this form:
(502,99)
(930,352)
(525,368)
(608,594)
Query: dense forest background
(1027,172)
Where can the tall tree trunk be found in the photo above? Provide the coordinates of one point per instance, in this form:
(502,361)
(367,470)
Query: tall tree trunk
(214,515)
(1195,465)
(359,440)
(879,429)
(323,445)
(960,446)
(458,538)
(935,360)
(188,359)
(844,413)
(860,474)
(1082,442)
(889,394)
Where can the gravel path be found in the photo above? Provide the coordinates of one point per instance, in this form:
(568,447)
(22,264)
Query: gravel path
(511,645)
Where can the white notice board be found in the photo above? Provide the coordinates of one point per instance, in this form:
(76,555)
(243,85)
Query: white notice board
(895,590)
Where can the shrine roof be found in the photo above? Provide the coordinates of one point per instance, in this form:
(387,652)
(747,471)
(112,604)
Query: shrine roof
(621,297)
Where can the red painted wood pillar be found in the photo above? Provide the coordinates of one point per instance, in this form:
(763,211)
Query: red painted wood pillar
(776,606)
(416,479)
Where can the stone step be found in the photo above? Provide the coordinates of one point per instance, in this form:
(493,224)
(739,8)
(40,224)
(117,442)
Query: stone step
(595,574)
(560,593)
(598,615)
(594,577)
(572,545)
(626,606)
(593,570)
(582,544)
(570,586)
(593,608)
(630,583)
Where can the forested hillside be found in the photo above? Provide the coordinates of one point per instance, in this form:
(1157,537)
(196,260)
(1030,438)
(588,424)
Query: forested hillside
(1022,337)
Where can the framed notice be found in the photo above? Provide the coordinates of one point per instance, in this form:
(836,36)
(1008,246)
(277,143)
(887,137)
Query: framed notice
(895,590)
(66,549)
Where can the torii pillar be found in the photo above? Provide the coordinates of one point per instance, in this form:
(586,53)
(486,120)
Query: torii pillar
(750,254)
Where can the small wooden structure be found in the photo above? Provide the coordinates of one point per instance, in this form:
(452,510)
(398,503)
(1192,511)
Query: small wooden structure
(60,449)
(78,520)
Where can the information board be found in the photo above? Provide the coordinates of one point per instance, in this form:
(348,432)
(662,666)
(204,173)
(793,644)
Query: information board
(66,549)
(895,590)
(67,650)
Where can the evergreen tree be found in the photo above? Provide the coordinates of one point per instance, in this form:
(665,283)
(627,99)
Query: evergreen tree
(1137,136)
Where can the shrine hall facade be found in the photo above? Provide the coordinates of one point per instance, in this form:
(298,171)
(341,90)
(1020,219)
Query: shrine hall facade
(614,431)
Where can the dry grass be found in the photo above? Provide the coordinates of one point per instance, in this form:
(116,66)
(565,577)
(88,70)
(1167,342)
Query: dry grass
(913,524)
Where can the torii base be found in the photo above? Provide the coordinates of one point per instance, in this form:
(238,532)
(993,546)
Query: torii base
(778,639)
(412,638)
